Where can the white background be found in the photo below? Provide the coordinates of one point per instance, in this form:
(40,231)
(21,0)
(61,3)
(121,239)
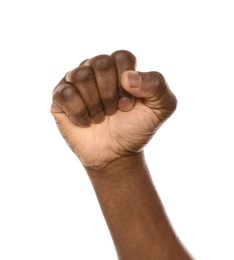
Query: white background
(48,209)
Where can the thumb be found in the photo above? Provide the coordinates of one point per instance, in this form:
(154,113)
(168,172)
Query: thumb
(152,88)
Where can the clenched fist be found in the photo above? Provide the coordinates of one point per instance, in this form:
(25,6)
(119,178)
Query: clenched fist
(106,110)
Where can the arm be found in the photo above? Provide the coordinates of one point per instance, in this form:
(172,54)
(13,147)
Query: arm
(134,213)
(107,113)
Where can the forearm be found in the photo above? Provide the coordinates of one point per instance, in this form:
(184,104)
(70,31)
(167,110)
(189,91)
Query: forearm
(133,211)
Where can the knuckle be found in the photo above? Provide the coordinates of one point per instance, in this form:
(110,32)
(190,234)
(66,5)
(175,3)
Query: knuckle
(83,62)
(65,93)
(102,62)
(164,94)
(157,79)
(157,83)
(124,56)
(80,74)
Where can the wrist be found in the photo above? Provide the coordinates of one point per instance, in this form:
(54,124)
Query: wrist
(116,165)
(120,170)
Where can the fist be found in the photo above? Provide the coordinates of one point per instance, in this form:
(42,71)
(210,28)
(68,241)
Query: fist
(106,110)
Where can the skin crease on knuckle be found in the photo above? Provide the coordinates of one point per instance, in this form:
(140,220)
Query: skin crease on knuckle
(80,74)
(124,57)
(67,93)
(102,63)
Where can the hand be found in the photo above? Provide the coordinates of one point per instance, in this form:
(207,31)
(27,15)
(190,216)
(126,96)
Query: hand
(106,110)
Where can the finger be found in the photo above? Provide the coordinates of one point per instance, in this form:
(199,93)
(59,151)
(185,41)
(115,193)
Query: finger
(83,78)
(67,99)
(124,60)
(153,90)
(83,62)
(106,76)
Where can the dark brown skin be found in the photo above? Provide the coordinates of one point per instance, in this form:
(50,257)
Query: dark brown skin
(107,113)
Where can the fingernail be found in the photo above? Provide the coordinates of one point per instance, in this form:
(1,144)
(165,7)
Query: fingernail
(98,118)
(134,79)
(110,110)
(84,122)
(126,103)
